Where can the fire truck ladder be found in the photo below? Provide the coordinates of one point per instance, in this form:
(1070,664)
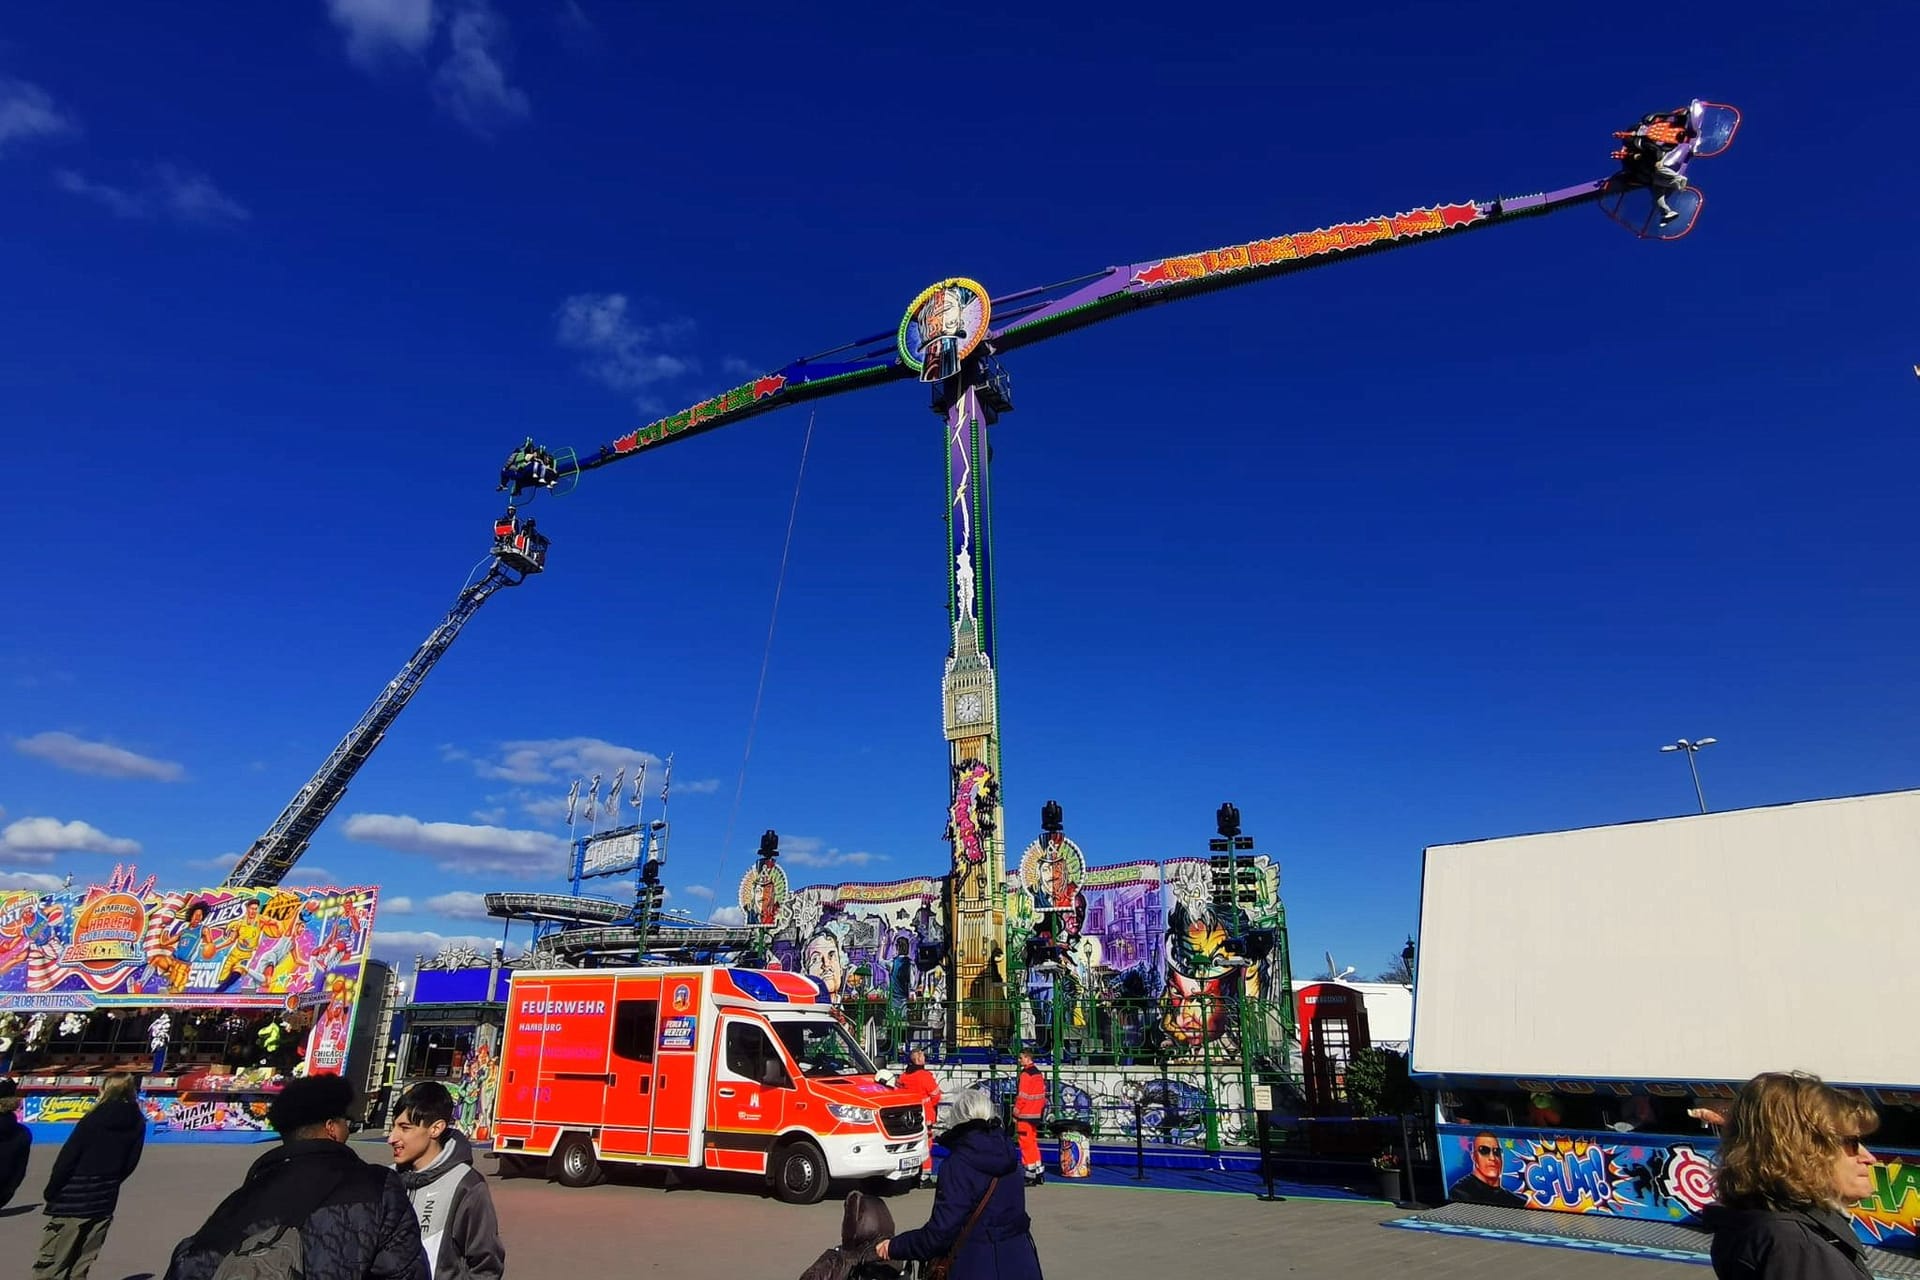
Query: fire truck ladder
(273,854)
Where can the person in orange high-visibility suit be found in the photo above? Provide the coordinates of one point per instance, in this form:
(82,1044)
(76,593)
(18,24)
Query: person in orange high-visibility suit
(1029,1111)
(917,1079)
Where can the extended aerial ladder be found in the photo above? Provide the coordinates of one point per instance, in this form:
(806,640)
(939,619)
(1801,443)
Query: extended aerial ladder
(518,553)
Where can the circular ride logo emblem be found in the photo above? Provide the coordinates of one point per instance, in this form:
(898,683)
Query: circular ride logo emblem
(943,326)
(682,998)
(106,938)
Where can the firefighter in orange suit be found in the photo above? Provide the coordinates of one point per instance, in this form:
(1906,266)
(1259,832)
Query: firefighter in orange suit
(917,1079)
(1029,1111)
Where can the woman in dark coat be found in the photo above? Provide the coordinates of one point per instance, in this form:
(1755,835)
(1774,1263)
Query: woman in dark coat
(84,1188)
(1000,1244)
(1790,1162)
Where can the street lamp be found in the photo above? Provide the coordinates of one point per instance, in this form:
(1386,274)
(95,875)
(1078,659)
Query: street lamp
(1693,749)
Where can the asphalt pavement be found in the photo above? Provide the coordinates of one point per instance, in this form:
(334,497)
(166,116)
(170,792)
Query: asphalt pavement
(727,1230)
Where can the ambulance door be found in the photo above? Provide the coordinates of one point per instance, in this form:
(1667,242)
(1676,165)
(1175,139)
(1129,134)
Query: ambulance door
(751,1086)
(676,1066)
(520,1091)
(576,1052)
(636,1027)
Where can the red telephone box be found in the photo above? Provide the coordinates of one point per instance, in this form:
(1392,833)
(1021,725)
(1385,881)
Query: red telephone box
(1333,1027)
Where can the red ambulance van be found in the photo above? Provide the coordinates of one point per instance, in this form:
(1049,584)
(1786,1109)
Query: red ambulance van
(700,1067)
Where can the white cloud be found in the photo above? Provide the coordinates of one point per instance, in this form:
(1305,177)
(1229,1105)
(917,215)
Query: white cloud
(696,891)
(377,28)
(461,904)
(306,877)
(492,817)
(696,786)
(457,846)
(77,755)
(222,863)
(398,947)
(37,881)
(27,111)
(620,352)
(811,851)
(530,760)
(183,195)
(728,915)
(471,85)
(36,840)
(398,905)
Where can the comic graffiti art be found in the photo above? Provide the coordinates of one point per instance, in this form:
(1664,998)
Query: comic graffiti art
(762,891)
(1639,1175)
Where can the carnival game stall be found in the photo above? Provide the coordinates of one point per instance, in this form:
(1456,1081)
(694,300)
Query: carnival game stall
(213,996)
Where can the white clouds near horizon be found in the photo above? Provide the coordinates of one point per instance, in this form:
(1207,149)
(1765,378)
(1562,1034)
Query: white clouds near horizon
(531,760)
(37,840)
(100,759)
(456,846)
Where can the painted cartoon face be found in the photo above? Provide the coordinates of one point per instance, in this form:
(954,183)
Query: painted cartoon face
(1197,1008)
(1486,1159)
(824,961)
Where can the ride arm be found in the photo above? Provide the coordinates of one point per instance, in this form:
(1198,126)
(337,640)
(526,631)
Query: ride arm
(273,854)
(1025,318)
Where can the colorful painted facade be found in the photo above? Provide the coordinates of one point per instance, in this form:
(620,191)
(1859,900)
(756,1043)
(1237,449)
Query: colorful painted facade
(1150,964)
(125,943)
(1639,1175)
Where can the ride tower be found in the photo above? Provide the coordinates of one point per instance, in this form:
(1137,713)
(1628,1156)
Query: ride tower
(942,338)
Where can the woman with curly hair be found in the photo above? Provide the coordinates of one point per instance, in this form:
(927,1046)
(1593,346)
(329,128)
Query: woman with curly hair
(1790,1161)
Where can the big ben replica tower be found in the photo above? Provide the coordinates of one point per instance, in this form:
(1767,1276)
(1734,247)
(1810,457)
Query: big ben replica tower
(942,337)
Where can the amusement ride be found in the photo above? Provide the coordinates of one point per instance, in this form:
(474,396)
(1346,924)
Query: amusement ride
(951,337)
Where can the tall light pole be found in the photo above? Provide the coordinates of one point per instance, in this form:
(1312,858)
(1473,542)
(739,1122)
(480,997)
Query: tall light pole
(1693,749)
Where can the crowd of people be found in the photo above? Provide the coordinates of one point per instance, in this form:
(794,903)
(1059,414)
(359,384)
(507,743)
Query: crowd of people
(1793,1156)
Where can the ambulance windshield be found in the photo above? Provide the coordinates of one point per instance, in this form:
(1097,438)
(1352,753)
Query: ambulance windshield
(821,1047)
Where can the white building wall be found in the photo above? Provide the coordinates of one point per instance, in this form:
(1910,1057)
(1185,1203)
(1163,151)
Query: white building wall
(1698,948)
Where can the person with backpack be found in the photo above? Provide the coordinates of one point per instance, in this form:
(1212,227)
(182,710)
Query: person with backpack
(310,1208)
(449,1195)
(16,1143)
(84,1188)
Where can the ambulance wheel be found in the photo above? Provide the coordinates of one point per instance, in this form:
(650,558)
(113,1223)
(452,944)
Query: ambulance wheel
(574,1164)
(800,1173)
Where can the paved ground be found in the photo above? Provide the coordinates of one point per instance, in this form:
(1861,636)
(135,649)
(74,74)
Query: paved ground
(637,1228)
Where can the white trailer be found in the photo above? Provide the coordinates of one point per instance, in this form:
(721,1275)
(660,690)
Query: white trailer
(1704,948)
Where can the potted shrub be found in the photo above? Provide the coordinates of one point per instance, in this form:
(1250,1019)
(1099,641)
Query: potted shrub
(1387,1166)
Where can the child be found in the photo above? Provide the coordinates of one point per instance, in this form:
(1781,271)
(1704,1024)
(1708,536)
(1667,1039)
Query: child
(865,1221)
(449,1195)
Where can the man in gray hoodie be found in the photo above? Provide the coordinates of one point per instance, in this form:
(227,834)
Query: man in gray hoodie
(449,1195)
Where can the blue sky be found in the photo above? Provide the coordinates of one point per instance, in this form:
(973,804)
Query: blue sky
(1432,546)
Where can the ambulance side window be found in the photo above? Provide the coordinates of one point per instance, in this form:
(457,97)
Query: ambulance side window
(749,1051)
(633,1028)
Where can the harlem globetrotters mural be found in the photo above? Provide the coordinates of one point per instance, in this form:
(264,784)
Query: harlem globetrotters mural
(124,942)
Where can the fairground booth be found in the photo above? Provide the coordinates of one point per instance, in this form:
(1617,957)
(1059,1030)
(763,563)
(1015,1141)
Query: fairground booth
(213,996)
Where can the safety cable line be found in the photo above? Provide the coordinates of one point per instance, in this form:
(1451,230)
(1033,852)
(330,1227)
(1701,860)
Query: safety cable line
(766,658)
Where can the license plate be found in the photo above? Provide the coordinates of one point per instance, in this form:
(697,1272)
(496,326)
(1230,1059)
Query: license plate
(909,1163)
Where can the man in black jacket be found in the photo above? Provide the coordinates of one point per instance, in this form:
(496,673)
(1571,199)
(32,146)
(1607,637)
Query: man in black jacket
(16,1143)
(84,1188)
(354,1219)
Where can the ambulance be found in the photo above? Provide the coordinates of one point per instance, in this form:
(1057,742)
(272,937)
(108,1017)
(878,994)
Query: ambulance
(701,1067)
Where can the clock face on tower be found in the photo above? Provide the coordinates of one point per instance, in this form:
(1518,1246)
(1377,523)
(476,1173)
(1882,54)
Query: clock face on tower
(969,707)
